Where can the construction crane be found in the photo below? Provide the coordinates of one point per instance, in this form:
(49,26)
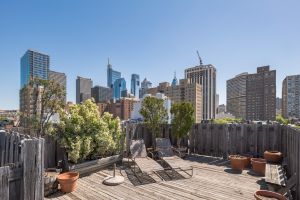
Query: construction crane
(200,60)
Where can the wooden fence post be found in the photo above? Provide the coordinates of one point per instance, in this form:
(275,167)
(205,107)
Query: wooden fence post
(4,183)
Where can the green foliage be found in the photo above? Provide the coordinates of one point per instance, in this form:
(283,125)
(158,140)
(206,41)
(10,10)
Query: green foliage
(154,114)
(227,120)
(86,135)
(280,119)
(183,119)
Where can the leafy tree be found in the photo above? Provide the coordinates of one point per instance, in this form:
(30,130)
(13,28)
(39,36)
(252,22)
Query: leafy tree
(280,119)
(183,119)
(87,136)
(154,115)
(51,102)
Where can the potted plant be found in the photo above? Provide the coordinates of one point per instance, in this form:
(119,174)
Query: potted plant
(273,156)
(183,120)
(265,194)
(258,165)
(68,181)
(237,162)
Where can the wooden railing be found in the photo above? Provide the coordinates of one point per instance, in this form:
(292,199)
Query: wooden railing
(21,167)
(222,140)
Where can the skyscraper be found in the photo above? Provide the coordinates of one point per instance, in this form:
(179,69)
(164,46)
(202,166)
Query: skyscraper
(34,65)
(291,97)
(144,86)
(261,94)
(174,81)
(101,94)
(119,88)
(83,89)
(59,78)
(135,85)
(205,75)
(236,95)
(112,75)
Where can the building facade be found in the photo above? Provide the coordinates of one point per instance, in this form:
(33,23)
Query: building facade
(236,95)
(135,85)
(261,94)
(291,97)
(120,89)
(83,89)
(205,75)
(112,75)
(278,106)
(184,92)
(34,65)
(145,85)
(101,94)
(59,78)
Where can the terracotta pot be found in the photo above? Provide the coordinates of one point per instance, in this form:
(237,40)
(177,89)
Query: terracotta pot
(273,156)
(247,162)
(68,181)
(237,162)
(259,165)
(263,194)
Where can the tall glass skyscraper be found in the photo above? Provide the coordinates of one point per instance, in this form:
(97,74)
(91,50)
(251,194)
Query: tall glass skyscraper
(34,65)
(119,88)
(135,85)
(112,75)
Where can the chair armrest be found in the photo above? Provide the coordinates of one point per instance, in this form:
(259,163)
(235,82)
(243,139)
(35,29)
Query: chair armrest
(176,151)
(151,154)
(159,154)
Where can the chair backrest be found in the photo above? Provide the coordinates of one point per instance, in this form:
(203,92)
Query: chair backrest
(138,148)
(164,146)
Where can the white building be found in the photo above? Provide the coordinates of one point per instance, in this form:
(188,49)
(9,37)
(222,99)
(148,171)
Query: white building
(135,113)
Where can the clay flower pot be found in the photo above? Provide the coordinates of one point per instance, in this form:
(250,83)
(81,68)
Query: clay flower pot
(273,156)
(237,162)
(264,194)
(259,165)
(68,181)
(247,162)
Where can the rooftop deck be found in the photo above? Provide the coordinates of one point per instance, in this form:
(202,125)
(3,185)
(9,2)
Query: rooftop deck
(213,179)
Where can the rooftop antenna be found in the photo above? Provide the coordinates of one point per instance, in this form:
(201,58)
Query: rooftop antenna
(200,60)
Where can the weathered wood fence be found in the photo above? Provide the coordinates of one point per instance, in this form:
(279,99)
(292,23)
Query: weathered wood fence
(21,167)
(222,140)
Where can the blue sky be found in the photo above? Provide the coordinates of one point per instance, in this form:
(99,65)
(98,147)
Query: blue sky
(152,38)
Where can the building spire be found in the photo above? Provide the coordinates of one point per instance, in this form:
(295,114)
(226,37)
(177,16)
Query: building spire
(108,64)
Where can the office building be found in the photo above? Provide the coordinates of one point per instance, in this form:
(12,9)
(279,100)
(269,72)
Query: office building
(278,106)
(261,94)
(120,88)
(174,81)
(83,89)
(59,78)
(205,75)
(145,85)
(291,97)
(101,94)
(112,75)
(34,65)
(236,95)
(221,109)
(135,85)
(183,92)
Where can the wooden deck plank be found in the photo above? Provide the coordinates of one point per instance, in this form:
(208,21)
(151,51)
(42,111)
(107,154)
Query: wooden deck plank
(210,182)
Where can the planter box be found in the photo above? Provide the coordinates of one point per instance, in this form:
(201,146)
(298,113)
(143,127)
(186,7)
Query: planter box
(94,165)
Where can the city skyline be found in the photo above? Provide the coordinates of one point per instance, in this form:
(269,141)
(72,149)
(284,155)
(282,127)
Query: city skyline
(235,40)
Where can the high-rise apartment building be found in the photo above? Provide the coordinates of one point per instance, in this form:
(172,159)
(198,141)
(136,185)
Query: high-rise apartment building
(120,89)
(236,95)
(112,75)
(184,92)
(145,85)
(101,94)
(261,94)
(278,105)
(135,85)
(205,75)
(59,78)
(83,89)
(34,65)
(291,97)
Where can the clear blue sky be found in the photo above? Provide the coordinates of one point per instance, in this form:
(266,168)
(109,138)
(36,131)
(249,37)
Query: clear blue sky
(152,38)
